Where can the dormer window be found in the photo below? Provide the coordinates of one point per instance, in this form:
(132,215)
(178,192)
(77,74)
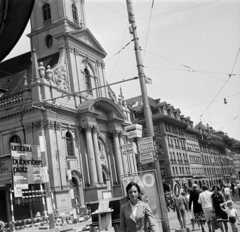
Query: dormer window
(88,81)
(46,13)
(75,14)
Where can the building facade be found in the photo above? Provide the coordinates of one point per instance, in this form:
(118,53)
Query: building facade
(51,97)
(187,154)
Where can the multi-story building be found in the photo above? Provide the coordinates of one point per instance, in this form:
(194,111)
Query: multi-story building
(50,97)
(187,154)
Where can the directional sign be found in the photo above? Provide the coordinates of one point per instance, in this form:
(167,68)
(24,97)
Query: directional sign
(146,145)
(127,149)
(146,158)
(146,149)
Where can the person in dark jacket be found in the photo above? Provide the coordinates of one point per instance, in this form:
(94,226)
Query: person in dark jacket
(197,208)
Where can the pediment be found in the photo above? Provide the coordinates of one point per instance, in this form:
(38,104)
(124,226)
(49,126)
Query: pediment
(87,38)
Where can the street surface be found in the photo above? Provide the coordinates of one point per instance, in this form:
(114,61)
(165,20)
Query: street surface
(174,224)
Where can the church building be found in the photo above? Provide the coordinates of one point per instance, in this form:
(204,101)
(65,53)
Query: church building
(57,96)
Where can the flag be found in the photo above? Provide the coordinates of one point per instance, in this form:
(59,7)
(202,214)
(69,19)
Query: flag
(148,80)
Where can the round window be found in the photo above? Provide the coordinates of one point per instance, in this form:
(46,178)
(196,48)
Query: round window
(49,41)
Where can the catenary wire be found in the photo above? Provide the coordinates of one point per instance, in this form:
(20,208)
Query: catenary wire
(222,86)
(148,29)
(184,9)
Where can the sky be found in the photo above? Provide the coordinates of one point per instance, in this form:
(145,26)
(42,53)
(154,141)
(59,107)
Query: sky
(190,50)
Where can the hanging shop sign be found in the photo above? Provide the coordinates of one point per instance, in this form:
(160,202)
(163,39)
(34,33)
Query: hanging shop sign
(26,163)
(149,187)
(134,131)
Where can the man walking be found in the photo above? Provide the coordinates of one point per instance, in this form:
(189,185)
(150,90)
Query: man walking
(205,200)
(180,205)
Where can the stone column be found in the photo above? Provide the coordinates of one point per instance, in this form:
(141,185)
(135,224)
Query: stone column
(117,153)
(97,155)
(124,158)
(90,154)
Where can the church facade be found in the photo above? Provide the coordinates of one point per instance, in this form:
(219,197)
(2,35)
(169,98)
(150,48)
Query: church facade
(57,96)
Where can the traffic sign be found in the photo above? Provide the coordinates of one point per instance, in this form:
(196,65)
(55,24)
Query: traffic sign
(127,149)
(146,145)
(146,158)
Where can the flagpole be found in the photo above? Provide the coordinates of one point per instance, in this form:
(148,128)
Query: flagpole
(147,111)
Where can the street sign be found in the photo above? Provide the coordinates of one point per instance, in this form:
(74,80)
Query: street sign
(134,131)
(146,158)
(146,145)
(127,149)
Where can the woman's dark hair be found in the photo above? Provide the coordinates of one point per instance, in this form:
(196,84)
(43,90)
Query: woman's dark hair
(189,190)
(130,185)
(204,187)
(215,186)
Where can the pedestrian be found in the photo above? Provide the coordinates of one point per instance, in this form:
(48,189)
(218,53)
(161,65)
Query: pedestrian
(180,206)
(233,188)
(227,193)
(221,216)
(205,199)
(232,214)
(197,208)
(191,214)
(135,213)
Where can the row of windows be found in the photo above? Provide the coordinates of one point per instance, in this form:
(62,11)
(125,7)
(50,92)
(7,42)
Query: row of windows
(215,160)
(211,150)
(197,171)
(192,147)
(180,170)
(192,137)
(180,157)
(46,9)
(195,159)
(178,144)
(173,129)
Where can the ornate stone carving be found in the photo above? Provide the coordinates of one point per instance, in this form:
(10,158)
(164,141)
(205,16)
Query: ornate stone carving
(49,124)
(87,127)
(58,125)
(114,132)
(103,65)
(60,73)
(40,125)
(98,62)
(95,129)
(29,128)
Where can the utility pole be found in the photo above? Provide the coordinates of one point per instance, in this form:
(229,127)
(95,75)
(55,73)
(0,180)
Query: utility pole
(147,110)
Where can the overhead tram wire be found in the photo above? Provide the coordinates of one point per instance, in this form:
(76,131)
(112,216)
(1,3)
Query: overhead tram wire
(190,69)
(230,122)
(220,99)
(110,9)
(118,53)
(184,9)
(230,75)
(148,29)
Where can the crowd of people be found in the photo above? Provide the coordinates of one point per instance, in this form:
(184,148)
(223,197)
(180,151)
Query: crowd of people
(212,207)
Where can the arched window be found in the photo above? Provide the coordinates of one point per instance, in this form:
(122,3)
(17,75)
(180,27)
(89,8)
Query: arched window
(15,139)
(88,81)
(46,13)
(75,14)
(69,142)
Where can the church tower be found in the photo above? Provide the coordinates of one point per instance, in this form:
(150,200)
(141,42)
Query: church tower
(59,34)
